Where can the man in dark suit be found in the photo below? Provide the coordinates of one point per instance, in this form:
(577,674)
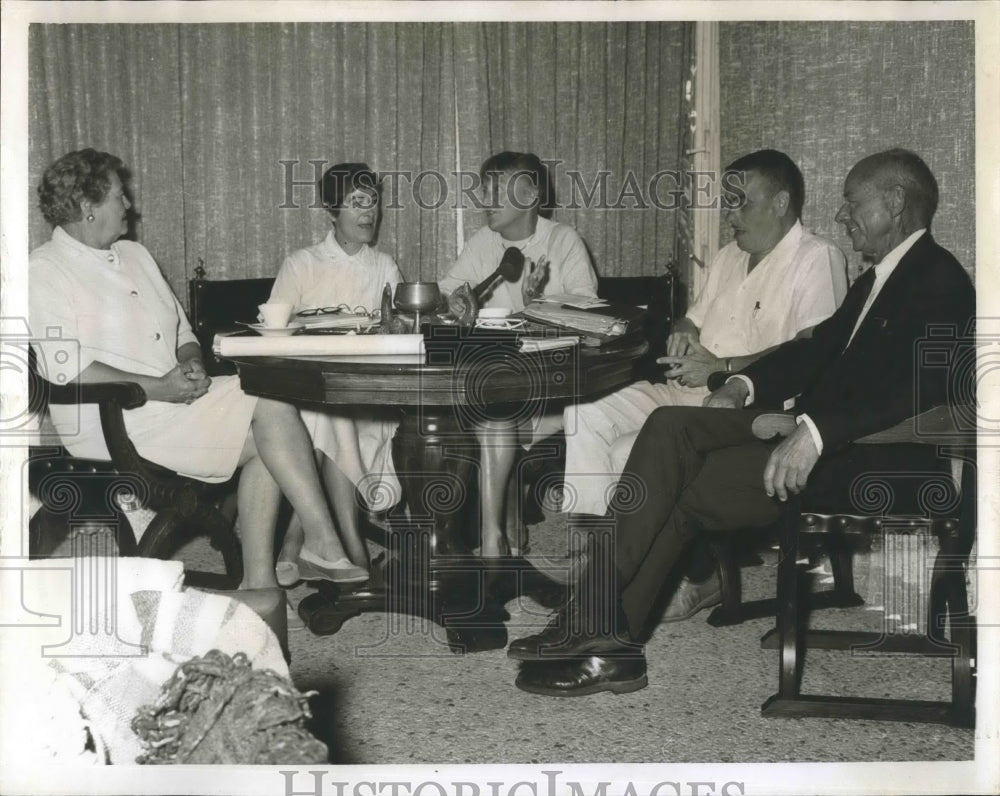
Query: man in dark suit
(701,469)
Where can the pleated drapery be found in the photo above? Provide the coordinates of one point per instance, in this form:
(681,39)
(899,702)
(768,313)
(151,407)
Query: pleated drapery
(226,126)
(602,102)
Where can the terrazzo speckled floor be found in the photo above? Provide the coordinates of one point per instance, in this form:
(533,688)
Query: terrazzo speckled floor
(392,692)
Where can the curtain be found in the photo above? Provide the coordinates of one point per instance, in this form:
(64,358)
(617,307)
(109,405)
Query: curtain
(225,128)
(829,93)
(599,101)
(115,88)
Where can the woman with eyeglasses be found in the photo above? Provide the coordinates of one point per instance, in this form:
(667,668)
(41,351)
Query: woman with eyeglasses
(354,444)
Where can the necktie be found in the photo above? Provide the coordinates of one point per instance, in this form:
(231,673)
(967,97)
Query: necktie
(862,290)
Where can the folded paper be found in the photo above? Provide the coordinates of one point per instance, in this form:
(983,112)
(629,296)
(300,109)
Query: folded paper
(320,345)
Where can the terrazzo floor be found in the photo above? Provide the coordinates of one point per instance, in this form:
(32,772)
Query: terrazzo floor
(391,692)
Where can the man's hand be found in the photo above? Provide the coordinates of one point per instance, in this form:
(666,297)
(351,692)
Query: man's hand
(177,386)
(680,339)
(693,369)
(463,305)
(790,463)
(731,395)
(534,281)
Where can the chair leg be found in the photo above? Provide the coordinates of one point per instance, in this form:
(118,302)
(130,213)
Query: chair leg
(789,666)
(842,564)
(950,600)
(731,584)
(220,519)
(160,538)
(127,546)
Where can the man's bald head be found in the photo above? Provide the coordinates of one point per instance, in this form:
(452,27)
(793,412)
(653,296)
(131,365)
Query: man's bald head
(906,170)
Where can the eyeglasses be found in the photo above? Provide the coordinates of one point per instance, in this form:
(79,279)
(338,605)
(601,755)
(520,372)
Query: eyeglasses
(361,200)
(500,323)
(322,311)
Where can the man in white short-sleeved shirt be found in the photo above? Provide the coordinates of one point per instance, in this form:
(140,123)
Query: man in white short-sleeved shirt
(774,281)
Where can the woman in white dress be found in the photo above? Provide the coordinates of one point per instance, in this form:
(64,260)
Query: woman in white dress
(354,443)
(101,311)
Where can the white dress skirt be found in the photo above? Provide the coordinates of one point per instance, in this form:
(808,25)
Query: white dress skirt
(201,440)
(376,427)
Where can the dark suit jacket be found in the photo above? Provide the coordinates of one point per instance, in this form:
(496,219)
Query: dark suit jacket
(878,381)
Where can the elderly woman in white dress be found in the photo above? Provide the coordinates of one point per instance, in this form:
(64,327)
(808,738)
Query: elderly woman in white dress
(109,297)
(354,443)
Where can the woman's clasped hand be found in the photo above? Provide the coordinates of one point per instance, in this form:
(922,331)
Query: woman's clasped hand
(184,383)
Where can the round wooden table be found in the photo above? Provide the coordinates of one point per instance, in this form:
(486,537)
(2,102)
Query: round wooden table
(429,570)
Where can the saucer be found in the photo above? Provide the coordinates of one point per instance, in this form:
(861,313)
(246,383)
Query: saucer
(276,331)
(494,313)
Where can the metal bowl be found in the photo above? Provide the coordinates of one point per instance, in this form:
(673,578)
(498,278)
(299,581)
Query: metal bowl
(417,296)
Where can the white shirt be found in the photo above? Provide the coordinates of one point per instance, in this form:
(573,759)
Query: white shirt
(799,283)
(324,275)
(570,270)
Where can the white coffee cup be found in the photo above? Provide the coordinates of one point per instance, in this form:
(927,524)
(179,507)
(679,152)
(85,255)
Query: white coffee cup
(275,315)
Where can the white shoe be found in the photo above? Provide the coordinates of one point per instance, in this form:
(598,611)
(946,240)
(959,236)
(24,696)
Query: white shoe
(312,567)
(287,573)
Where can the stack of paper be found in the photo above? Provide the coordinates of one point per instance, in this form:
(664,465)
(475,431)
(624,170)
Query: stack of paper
(571,300)
(349,321)
(576,319)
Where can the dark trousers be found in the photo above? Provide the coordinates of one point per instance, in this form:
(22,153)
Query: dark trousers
(691,469)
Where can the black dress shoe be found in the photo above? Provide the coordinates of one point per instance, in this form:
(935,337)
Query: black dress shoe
(589,675)
(570,634)
(528,648)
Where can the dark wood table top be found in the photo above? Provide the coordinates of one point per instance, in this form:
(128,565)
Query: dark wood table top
(480,376)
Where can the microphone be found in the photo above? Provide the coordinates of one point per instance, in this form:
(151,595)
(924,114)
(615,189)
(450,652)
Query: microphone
(510,268)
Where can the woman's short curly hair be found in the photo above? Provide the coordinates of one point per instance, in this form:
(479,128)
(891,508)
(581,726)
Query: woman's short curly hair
(73,178)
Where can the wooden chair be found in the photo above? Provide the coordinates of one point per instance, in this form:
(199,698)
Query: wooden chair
(733,551)
(219,306)
(81,492)
(947,604)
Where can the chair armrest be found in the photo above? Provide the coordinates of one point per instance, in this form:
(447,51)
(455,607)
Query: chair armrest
(773,425)
(112,399)
(126,394)
(936,426)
